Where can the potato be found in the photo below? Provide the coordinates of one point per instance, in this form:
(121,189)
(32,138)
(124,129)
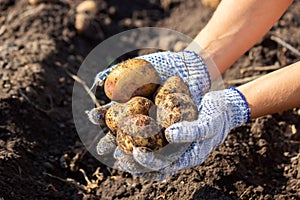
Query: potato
(117,112)
(88,7)
(210,3)
(176,107)
(134,77)
(173,84)
(140,131)
(85,12)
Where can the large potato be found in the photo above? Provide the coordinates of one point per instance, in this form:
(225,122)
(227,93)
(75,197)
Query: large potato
(117,112)
(134,77)
(140,131)
(173,84)
(176,107)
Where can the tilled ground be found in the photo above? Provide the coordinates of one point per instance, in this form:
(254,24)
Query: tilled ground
(40,152)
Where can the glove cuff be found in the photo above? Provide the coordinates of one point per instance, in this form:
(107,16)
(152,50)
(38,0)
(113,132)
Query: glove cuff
(240,108)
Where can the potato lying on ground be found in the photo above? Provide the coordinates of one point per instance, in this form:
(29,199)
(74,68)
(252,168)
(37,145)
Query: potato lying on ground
(134,77)
(173,84)
(85,12)
(117,112)
(140,131)
(210,3)
(176,107)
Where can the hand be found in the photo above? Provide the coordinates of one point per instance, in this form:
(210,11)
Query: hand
(219,113)
(186,64)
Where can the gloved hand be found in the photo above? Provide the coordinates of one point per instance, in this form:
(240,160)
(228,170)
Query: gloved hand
(219,112)
(186,64)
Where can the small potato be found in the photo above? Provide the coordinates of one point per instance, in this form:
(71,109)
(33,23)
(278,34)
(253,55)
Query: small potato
(173,84)
(88,7)
(140,131)
(176,107)
(34,2)
(117,112)
(134,77)
(210,3)
(85,13)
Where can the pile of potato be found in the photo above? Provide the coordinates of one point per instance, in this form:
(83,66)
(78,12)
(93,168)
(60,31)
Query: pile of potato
(145,107)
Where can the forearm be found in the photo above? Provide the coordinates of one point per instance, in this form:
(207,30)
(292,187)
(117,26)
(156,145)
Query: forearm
(236,26)
(274,92)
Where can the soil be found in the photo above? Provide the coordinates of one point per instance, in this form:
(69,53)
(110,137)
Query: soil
(41,155)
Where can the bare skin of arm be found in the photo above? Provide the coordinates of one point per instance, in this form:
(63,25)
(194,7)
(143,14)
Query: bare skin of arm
(274,92)
(234,28)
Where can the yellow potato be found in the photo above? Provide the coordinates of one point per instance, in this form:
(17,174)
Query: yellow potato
(211,3)
(140,131)
(176,107)
(173,84)
(134,77)
(117,112)
(85,12)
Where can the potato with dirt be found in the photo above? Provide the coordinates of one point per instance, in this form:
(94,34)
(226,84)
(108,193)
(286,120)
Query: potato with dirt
(118,111)
(140,131)
(173,84)
(176,107)
(133,77)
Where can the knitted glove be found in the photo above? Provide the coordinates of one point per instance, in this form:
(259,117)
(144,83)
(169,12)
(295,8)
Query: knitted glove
(219,113)
(186,64)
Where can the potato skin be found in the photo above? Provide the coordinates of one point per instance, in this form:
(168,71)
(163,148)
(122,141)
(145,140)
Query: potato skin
(176,107)
(173,84)
(134,77)
(140,131)
(117,112)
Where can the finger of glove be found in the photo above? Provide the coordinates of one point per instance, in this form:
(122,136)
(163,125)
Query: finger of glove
(128,163)
(97,115)
(106,144)
(187,132)
(193,71)
(163,63)
(194,156)
(160,159)
(101,76)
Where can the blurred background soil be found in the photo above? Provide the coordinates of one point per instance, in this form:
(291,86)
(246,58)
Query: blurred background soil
(41,155)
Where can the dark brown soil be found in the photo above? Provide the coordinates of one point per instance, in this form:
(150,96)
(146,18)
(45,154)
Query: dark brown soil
(40,152)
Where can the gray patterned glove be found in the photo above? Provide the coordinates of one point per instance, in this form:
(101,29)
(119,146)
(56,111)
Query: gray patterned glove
(186,64)
(219,113)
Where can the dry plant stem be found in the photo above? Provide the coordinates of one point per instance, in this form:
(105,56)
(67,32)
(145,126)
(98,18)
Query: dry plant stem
(261,68)
(84,85)
(38,107)
(242,80)
(67,180)
(285,44)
